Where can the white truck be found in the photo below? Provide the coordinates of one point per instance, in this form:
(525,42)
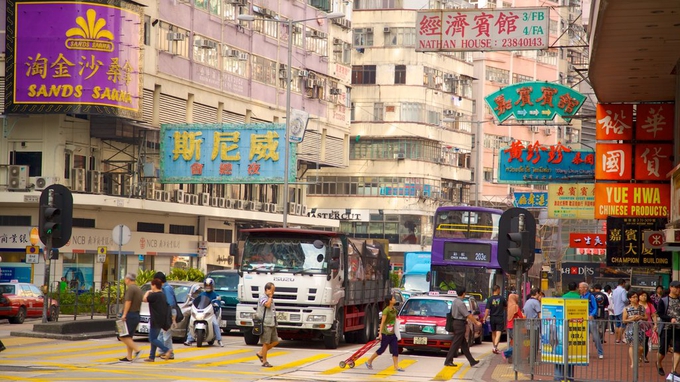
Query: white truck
(328,286)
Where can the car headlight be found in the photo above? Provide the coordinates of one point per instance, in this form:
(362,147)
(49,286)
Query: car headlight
(441,330)
(247,315)
(316,318)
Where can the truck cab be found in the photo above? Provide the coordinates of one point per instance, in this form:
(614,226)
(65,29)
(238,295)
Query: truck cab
(226,286)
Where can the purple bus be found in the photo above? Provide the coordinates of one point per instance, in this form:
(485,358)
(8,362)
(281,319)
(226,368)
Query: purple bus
(465,251)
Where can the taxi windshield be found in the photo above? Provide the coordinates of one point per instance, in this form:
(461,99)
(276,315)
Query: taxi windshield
(426,308)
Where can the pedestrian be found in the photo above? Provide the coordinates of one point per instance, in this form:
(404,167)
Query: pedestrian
(619,300)
(559,368)
(267,309)
(592,317)
(514,312)
(133,303)
(388,335)
(158,320)
(632,314)
(495,313)
(461,316)
(166,335)
(610,309)
(656,296)
(669,313)
(652,317)
(602,305)
(532,312)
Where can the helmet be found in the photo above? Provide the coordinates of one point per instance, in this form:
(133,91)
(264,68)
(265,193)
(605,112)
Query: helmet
(209,285)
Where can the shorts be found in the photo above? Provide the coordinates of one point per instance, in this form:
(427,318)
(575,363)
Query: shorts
(391,341)
(497,324)
(618,320)
(269,335)
(131,320)
(669,337)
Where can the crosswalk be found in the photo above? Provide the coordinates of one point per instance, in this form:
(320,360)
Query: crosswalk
(98,360)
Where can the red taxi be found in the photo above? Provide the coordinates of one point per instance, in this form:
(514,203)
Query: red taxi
(21,300)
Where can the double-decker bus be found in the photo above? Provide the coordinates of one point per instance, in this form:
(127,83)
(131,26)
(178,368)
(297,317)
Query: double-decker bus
(465,251)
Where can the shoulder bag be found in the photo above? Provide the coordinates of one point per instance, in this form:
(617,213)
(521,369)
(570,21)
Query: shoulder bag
(449,322)
(258,323)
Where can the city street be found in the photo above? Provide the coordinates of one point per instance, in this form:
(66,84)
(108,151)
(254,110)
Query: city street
(35,359)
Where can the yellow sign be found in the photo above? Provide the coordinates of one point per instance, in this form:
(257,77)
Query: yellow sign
(32,249)
(571,201)
(577,319)
(101,250)
(34,236)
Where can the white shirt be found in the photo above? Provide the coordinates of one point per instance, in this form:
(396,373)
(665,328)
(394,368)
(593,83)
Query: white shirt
(619,299)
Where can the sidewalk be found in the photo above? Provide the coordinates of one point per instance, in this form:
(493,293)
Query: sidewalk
(66,328)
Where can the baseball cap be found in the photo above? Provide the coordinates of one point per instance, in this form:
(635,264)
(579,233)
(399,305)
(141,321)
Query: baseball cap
(675,284)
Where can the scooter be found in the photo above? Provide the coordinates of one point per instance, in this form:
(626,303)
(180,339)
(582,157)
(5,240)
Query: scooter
(203,312)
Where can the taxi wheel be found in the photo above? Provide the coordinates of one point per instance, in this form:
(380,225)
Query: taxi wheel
(20,317)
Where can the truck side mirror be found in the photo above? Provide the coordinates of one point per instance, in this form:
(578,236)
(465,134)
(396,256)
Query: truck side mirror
(335,253)
(233,250)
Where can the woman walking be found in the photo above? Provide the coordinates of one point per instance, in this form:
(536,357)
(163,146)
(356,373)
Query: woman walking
(158,309)
(633,313)
(387,334)
(650,325)
(656,296)
(514,312)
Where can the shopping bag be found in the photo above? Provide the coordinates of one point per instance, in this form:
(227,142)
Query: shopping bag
(121,328)
(673,378)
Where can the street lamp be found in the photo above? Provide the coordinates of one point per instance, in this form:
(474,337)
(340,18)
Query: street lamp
(289,75)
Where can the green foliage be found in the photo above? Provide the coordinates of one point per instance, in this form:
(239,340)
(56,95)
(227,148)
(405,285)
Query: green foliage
(144,277)
(191,274)
(394,279)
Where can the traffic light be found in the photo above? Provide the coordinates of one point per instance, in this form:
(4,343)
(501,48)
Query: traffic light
(516,240)
(55,215)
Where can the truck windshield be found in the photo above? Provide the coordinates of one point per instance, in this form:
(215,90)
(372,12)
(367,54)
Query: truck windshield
(285,255)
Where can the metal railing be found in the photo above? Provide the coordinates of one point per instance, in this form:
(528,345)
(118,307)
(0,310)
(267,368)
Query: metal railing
(565,350)
(99,300)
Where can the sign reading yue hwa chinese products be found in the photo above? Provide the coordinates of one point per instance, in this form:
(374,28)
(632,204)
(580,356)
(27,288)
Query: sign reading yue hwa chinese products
(626,246)
(633,200)
(571,201)
(482,29)
(74,57)
(531,101)
(538,163)
(225,153)
(531,199)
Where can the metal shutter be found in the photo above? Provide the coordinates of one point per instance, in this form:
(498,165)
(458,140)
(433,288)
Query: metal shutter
(229,117)
(147,106)
(204,114)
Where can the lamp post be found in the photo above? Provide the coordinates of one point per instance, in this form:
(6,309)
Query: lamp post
(289,74)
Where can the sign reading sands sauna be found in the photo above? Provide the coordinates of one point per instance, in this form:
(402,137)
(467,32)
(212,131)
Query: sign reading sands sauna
(73,57)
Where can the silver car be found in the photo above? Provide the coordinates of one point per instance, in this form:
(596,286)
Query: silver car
(185,291)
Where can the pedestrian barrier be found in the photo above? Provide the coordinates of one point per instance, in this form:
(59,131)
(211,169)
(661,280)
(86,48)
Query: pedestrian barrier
(99,300)
(556,349)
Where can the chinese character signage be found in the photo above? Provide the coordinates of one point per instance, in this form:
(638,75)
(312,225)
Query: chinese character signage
(587,240)
(614,122)
(536,163)
(225,153)
(73,57)
(653,161)
(614,161)
(531,199)
(655,122)
(571,201)
(452,30)
(535,101)
(626,247)
(632,200)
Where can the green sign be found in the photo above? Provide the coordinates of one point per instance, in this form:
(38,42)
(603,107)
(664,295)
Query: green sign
(535,101)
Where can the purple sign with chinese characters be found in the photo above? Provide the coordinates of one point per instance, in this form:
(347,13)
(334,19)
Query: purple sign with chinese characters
(78,57)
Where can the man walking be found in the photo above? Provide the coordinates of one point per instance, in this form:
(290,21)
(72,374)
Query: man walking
(133,303)
(619,301)
(460,315)
(166,335)
(602,301)
(267,309)
(592,316)
(669,312)
(495,309)
(532,312)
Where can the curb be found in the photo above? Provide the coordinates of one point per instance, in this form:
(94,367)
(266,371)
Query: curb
(67,337)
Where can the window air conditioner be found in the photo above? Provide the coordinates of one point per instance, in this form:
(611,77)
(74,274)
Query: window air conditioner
(178,196)
(386,29)
(206,44)
(291,208)
(449,112)
(335,91)
(240,204)
(242,56)
(78,179)
(298,209)
(42,182)
(158,194)
(228,52)
(547,131)
(533,129)
(221,202)
(304,210)
(399,156)
(174,36)
(303,73)
(94,182)
(204,199)
(18,177)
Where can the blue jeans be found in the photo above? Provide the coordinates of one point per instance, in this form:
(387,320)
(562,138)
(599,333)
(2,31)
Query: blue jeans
(595,333)
(155,342)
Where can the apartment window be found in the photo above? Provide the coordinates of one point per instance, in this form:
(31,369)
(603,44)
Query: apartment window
(32,159)
(205,51)
(497,75)
(214,7)
(378,4)
(83,223)
(150,227)
(201,4)
(181,229)
(400,37)
(147,30)
(342,51)
(216,235)
(173,40)
(266,26)
(519,78)
(235,62)
(488,174)
(24,221)
(378,111)
(264,70)
(230,11)
(400,74)
(412,111)
(296,34)
(316,42)
(363,74)
(363,37)
(547,57)
(324,5)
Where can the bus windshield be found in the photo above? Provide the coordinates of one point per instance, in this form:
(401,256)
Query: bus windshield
(293,255)
(476,280)
(465,224)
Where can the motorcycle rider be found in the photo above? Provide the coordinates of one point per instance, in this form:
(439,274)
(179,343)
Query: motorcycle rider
(209,292)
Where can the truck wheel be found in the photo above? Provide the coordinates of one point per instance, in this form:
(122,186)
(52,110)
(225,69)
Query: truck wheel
(250,338)
(333,341)
(200,337)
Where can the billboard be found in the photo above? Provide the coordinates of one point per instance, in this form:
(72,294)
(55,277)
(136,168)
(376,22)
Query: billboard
(225,153)
(635,200)
(535,101)
(626,246)
(536,163)
(74,57)
(455,30)
(531,199)
(571,201)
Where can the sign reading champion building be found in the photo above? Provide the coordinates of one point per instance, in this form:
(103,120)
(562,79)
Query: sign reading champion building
(74,57)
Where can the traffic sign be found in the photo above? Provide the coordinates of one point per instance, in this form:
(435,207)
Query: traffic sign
(121,234)
(653,239)
(101,250)
(32,258)
(32,249)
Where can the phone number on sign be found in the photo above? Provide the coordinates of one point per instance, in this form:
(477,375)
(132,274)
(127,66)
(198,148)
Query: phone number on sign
(523,42)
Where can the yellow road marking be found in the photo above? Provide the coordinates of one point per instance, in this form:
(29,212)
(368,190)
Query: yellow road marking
(447,373)
(388,372)
(212,355)
(339,369)
(19,341)
(299,362)
(466,369)
(240,360)
(60,350)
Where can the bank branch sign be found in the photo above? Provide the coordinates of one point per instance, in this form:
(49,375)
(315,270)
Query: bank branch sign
(535,101)
(73,57)
(456,30)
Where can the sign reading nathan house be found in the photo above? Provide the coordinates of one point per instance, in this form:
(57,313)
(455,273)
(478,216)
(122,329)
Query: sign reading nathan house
(73,57)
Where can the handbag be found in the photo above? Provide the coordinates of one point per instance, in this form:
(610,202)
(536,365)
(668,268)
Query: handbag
(258,324)
(449,322)
(180,315)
